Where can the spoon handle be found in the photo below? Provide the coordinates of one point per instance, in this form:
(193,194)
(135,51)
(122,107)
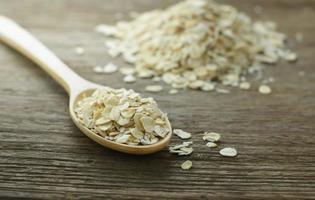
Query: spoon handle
(15,36)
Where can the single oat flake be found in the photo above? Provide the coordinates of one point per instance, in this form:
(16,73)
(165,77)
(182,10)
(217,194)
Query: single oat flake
(211,137)
(264,89)
(154,88)
(98,69)
(186,165)
(228,152)
(182,134)
(222,91)
(245,85)
(173,91)
(127,71)
(211,145)
(130,79)
(110,68)
(79,50)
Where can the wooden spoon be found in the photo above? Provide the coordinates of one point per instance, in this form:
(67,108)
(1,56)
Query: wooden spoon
(18,38)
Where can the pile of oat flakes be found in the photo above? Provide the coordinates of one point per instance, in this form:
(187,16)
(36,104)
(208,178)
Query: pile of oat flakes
(196,44)
(123,116)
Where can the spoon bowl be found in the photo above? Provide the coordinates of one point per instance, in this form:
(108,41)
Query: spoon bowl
(77,87)
(139,150)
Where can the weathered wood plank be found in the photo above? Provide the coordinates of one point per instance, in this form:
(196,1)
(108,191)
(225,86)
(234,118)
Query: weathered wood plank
(44,156)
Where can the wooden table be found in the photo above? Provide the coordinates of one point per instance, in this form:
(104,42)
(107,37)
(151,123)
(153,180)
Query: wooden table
(44,156)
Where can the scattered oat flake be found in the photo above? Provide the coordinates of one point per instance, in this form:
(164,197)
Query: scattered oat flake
(127,70)
(98,69)
(182,134)
(154,88)
(106,30)
(186,165)
(291,57)
(79,50)
(222,91)
(211,144)
(173,91)
(245,85)
(211,137)
(228,152)
(264,89)
(130,79)
(271,79)
(110,68)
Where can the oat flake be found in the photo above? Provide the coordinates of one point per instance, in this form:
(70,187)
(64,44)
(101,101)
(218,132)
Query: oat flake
(211,137)
(98,69)
(182,134)
(154,88)
(79,50)
(186,165)
(264,89)
(211,145)
(173,91)
(110,68)
(129,79)
(245,85)
(228,152)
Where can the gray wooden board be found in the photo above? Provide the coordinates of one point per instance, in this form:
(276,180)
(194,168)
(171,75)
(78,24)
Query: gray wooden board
(44,156)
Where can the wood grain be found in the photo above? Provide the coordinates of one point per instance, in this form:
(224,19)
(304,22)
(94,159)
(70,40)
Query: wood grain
(44,156)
